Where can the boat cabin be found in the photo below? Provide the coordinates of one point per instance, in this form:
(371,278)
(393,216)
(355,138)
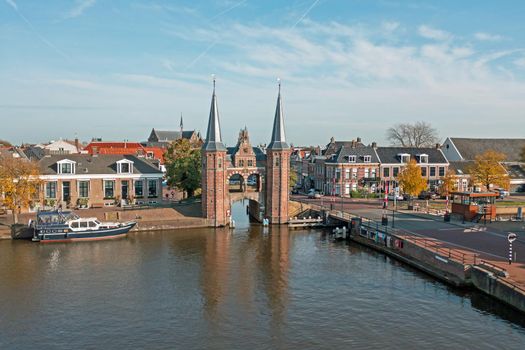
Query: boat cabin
(84,224)
(473,206)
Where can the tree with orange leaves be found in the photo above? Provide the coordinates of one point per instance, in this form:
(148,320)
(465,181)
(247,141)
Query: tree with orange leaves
(19,183)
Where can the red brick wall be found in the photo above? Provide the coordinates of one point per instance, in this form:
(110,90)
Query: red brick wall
(215,202)
(277,186)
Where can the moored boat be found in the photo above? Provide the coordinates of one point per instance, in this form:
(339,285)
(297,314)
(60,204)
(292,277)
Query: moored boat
(65,226)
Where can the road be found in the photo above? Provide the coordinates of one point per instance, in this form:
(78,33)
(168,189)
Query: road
(490,240)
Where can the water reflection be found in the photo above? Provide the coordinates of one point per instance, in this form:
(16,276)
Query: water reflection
(246,288)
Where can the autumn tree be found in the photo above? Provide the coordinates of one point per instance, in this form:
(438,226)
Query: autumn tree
(183,166)
(19,183)
(293,178)
(448,183)
(419,134)
(487,170)
(410,179)
(5,143)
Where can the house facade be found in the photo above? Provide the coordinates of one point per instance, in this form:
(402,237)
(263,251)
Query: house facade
(70,181)
(433,163)
(343,167)
(352,168)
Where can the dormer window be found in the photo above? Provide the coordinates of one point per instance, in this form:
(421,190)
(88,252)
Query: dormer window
(367,159)
(66,166)
(423,158)
(351,159)
(404,157)
(124,166)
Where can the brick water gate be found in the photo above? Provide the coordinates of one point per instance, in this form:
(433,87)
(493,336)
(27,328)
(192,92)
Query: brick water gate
(245,172)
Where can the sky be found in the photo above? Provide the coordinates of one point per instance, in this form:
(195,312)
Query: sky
(349,68)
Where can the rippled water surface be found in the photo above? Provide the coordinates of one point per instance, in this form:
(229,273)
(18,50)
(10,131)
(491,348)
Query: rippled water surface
(235,289)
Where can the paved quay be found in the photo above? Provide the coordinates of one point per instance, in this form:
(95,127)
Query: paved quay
(488,241)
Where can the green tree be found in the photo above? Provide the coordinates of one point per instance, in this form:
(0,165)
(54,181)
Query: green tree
(183,166)
(487,170)
(410,179)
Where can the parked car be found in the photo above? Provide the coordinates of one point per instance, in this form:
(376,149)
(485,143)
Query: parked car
(314,195)
(502,193)
(392,196)
(427,195)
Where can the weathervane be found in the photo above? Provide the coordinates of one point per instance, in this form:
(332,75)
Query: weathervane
(279,82)
(213,78)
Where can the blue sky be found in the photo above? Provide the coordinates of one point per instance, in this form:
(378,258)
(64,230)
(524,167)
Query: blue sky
(115,69)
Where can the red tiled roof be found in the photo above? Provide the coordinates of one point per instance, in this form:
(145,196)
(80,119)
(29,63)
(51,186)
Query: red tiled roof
(124,148)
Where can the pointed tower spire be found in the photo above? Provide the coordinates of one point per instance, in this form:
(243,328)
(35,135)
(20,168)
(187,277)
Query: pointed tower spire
(181,124)
(278,141)
(213,137)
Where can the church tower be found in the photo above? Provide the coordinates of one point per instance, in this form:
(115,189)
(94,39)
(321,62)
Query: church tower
(278,170)
(215,202)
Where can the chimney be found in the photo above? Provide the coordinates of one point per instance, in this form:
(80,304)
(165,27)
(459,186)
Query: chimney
(374,145)
(438,145)
(353,143)
(76,144)
(358,140)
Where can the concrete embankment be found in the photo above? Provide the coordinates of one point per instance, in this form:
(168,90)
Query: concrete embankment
(458,268)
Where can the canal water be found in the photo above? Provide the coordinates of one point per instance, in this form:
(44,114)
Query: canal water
(249,288)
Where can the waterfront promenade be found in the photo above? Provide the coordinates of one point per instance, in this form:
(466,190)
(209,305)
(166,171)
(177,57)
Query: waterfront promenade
(488,241)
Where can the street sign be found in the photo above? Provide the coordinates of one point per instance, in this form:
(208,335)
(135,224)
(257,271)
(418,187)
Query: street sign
(512,237)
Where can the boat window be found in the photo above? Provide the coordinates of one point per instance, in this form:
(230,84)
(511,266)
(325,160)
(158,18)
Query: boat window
(74,224)
(92,224)
(98,222)
(83,224)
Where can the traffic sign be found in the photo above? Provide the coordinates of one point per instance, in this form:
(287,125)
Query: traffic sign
(512,237)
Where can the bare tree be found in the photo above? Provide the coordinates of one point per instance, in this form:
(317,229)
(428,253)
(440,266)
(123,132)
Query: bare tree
(419,134)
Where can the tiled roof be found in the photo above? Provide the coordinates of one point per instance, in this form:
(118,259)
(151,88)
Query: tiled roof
(389,155)
(99,164)
(516,171)
(469,148)
(359,152)
(461,167)
(334,146)
(168,135)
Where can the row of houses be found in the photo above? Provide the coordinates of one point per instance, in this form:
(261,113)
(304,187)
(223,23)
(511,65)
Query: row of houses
(99,174)
(342,167)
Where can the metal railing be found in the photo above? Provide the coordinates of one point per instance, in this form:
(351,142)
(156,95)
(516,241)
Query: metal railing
(429,244)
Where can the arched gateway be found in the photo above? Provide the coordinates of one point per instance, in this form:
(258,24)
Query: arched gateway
(243,171)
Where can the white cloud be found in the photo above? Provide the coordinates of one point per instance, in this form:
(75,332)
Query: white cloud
(432,33)
(487,37)
(520,62)
(80,7)
(390,26)
(12,4)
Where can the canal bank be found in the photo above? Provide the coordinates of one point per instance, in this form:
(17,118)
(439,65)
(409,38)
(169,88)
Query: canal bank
(175,217)
(458,267)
